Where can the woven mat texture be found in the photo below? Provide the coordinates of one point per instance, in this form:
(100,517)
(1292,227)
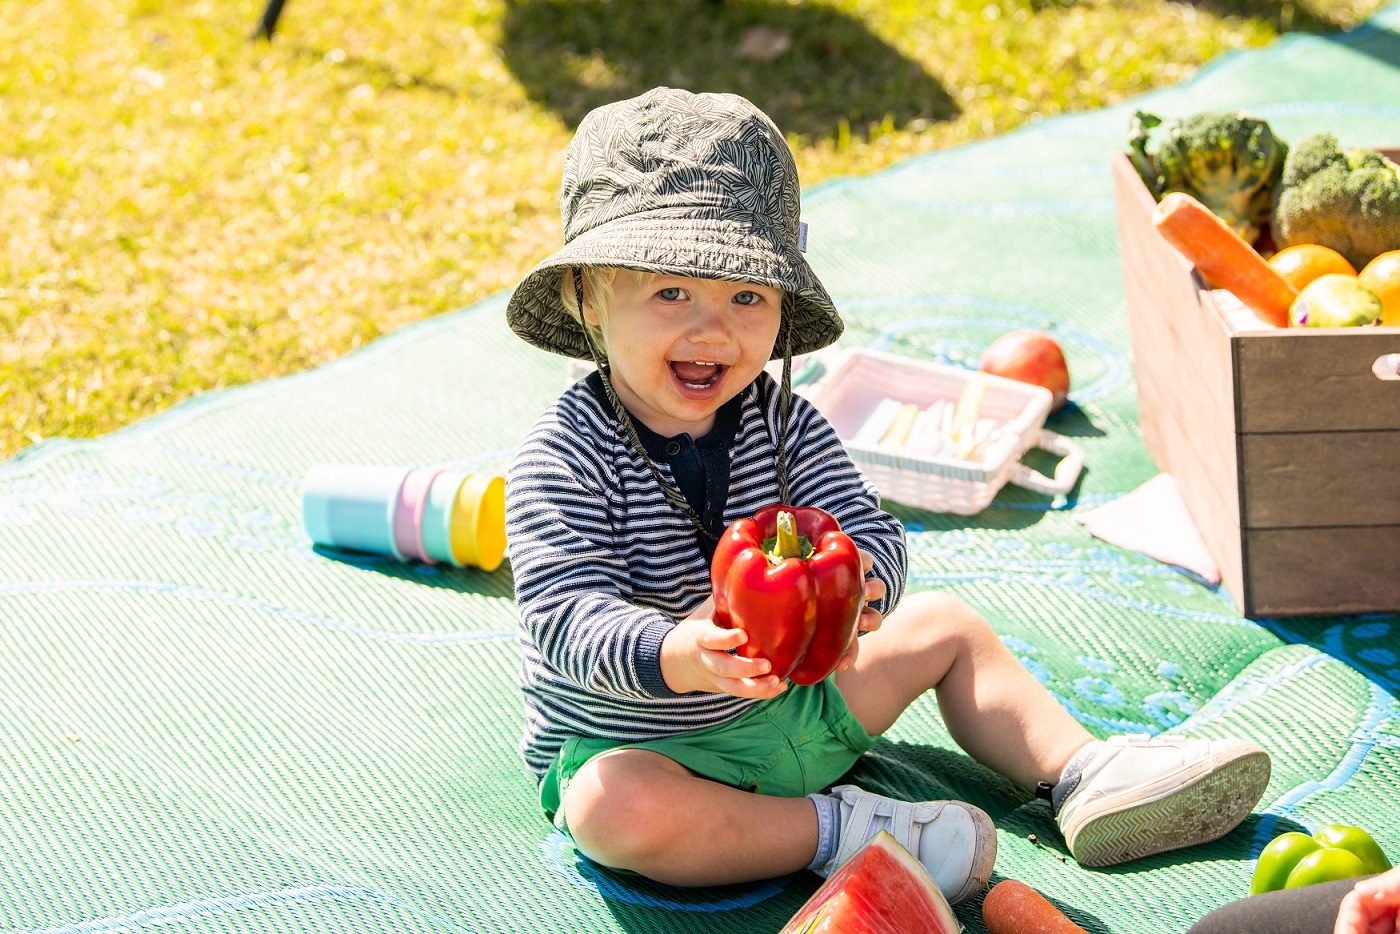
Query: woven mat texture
(208,726)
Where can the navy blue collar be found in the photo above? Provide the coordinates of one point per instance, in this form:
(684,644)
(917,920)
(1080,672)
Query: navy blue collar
(722,435)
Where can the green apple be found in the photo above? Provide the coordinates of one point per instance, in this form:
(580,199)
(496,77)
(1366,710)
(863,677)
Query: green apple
(1335,301)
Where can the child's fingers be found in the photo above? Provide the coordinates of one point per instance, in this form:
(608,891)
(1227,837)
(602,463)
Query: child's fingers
(1370,907)
(870,620)
(760,688)
(1386,886)
(719,639)
(1351,917)
(724,665)
(874,589)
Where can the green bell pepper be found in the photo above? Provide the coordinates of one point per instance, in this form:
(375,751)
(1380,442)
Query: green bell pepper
(1334,851)
(1277,860)
(1326,864)
(1356,841)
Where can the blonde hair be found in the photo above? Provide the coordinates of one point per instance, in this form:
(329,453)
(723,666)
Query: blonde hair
(598,283)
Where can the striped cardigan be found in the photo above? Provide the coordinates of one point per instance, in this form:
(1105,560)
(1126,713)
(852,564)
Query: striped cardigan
(604,564)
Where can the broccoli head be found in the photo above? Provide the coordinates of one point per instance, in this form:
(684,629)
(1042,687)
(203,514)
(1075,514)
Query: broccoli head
(1230,162)
(1348,200)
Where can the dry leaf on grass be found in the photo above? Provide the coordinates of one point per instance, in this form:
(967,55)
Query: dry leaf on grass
(763,43)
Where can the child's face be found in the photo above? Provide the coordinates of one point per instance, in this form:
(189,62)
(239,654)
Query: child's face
(679,348)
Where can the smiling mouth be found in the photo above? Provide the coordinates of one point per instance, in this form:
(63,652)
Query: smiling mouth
(697,374)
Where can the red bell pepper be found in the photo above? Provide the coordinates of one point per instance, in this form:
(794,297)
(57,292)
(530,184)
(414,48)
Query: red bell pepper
(791,579)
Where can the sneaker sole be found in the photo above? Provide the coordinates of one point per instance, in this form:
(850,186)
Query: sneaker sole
(983,859)
(1207,810)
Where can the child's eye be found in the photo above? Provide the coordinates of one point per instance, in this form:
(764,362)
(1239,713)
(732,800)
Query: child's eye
(672,294)
(747,298)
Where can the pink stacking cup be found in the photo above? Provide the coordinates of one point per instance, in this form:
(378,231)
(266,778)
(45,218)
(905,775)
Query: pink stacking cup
(408,514)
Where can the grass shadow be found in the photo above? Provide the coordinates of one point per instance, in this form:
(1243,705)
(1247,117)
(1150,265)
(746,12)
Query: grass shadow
(817,72)
(1284,15)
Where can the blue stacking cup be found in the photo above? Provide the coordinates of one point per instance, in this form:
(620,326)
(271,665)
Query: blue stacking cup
(437,515)
(351,505)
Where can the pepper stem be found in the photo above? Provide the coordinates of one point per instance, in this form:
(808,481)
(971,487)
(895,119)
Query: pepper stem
(787,544)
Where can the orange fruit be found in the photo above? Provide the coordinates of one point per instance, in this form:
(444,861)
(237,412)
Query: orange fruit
(1301,263)
(1383,275)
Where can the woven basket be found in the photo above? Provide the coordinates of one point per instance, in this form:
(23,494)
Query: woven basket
(857,380)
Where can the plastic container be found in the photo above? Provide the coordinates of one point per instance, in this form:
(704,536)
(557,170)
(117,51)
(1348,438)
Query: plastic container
(437,515)
(352,505)
(408,513)
(857,381)
(414,514)
(478,523)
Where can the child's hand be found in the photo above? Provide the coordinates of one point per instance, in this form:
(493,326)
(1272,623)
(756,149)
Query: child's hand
(695,657)
(870,619)
(1370,907)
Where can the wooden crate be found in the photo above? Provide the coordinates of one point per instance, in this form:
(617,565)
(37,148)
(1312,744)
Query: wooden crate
(1285,443)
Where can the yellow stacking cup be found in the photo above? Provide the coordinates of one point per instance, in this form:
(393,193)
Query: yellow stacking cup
(478,522)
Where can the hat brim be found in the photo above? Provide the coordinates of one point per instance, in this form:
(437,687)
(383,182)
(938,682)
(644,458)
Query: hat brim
(678,245)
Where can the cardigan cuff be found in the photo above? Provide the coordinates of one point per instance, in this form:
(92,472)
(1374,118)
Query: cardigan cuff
(649,658)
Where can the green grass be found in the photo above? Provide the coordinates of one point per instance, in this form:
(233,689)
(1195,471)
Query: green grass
(182,209)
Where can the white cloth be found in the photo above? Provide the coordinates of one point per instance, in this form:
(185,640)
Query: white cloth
(1153,520)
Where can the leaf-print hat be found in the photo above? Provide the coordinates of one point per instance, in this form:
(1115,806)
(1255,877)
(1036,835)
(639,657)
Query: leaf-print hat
(684,184)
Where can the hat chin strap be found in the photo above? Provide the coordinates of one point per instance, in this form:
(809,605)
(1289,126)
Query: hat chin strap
(672,494)
(785,398)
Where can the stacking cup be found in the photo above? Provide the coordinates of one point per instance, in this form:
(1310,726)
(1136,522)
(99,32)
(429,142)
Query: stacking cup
(413,513)
(477,523)
(437,515)
(408,514)
(352,505)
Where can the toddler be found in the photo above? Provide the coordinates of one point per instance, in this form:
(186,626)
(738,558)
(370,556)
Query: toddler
(659,750)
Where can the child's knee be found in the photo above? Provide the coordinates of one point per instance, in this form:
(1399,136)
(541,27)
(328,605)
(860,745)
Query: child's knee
(615,814)
(944,613)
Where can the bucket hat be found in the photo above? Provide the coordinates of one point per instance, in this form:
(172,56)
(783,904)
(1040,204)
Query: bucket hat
(672,182)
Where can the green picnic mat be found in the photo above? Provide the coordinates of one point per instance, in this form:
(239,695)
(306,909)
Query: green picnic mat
(207,725)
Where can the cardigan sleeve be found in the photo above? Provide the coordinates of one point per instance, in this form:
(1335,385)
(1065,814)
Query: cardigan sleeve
(572,584)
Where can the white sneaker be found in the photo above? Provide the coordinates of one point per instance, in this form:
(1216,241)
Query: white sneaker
(955,841)
(1138,795)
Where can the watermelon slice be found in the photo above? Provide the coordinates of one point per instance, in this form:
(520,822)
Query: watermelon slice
(882,889)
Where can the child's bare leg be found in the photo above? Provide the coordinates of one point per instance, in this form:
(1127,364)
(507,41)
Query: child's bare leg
(993,707)
(1127,797)
(634,809)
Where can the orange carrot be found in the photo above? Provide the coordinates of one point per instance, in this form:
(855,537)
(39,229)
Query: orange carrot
(1013,907)
(1223,257)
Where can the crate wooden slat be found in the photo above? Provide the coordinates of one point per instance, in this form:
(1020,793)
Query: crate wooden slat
(1285,444)
(1328,383)
(1323,571)
(1312,479)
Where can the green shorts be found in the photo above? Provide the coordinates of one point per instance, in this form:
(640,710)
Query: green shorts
(793,745)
